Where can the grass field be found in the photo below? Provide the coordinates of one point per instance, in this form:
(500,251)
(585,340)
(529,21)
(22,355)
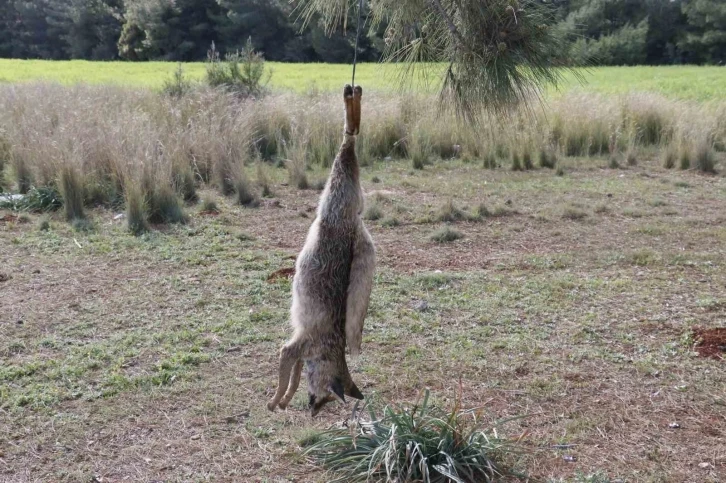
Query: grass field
(696,83)
(554,266)
(151,358)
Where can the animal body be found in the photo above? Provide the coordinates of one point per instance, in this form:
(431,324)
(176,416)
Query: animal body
(332,283)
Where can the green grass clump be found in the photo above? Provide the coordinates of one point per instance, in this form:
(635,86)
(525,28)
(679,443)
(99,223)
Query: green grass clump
(446,235)
(390,222)
(516,162)
(424,443)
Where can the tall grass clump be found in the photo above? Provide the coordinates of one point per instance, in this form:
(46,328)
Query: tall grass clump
(704,157)
(71,189)
(135,208)
(669,155)
(163,205)
(424,443)
(547,158)
(684,157)
(4,158)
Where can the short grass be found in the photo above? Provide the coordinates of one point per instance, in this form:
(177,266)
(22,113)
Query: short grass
(684,82)
(151,357)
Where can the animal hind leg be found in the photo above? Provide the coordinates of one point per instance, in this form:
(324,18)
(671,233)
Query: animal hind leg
(289,355)
(294,383)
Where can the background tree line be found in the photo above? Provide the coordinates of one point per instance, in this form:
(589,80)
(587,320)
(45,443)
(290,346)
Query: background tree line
(606,32)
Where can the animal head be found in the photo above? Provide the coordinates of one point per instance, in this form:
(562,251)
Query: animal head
(329,381)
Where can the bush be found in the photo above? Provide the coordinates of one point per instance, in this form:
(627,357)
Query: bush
(164,206)
(424,443)
(243,72)
(178,85)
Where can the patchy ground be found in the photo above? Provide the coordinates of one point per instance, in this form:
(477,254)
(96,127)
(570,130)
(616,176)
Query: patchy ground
(151,358)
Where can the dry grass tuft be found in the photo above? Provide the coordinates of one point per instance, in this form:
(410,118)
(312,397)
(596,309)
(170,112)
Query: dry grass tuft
(71,188)
(446,234)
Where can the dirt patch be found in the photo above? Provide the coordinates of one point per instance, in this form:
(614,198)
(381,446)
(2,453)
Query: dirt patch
(281,273)
(710,342)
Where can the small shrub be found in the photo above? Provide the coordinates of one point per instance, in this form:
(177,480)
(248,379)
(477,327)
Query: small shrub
(178,85)
(704,158)
(560,171)
(613,163)
(44,224)
(681,184)
(135,209)
(242,72)
(445,235)
(71,186)
(425,443)
(375,179)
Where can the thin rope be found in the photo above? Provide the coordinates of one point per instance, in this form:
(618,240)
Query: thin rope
(357,36)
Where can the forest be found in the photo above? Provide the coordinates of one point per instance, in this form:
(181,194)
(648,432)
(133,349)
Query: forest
(597,32)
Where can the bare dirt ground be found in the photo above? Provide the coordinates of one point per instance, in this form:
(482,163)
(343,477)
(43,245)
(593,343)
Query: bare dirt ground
(151,358)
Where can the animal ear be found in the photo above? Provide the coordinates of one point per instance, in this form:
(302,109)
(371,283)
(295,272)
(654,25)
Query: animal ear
(354,392)
(336,389)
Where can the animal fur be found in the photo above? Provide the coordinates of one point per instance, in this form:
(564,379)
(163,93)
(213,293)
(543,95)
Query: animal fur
(332,283)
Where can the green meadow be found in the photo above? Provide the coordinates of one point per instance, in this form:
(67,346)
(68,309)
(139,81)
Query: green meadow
(680,82)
